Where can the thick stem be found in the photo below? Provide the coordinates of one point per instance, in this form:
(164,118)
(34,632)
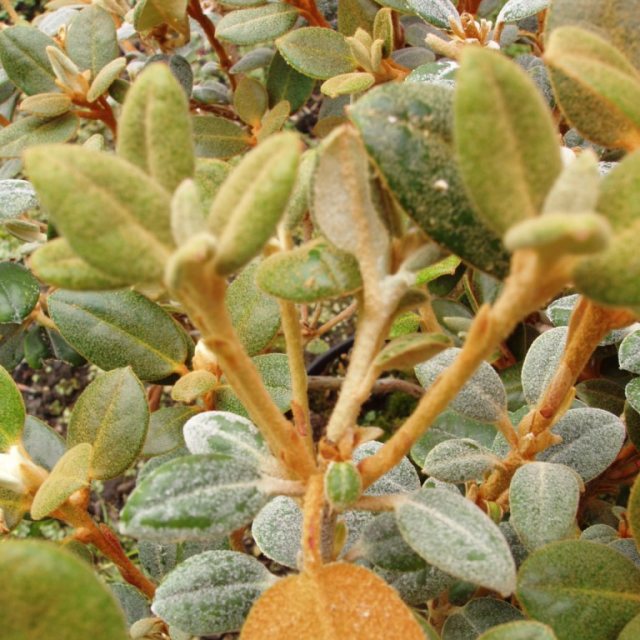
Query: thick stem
(313,518)
(530,285)
(100,536)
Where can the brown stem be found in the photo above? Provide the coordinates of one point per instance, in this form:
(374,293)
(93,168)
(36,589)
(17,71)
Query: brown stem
(195,11)
(88,532)
(381,387)
(4,122)
(310,12)
(313,511)
(11,12)
(345,314)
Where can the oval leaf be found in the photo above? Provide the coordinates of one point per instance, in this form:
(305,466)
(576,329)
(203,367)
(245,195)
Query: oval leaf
(459,461)
(478,616)
(277,530)
(12,411)
(254,26)
(541,362)
(522,630)
(91,40)
(19,292)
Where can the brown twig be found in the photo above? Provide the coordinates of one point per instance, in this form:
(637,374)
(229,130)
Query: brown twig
(381,387)
(310,12)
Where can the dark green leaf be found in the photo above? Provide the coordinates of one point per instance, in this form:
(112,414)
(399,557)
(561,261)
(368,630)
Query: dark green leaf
(19,292)
(285,83)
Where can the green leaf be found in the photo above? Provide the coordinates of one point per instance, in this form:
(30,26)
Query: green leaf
(32,131)
(24,59)
(277,530)
(543,498)
(254,26)
(19,292)
(212,592)
(316,52)
(602,393)
(250,100)
(312,272)
(407,129)
(483,396)
(13,506)
(46,105)
(105,78)
(631,630)
(477,616)
(44,446)
(410,349)
(91,40)
(131,601)
(521,630)
(56,264)
(12,411)
(16,198)
(69,474)
(435,12)
(564,585)
(285,83)
(445,267)
(118,329)
(54,594)
(347,83)
(227,434)
(11,345)
(255,315)
(505,139)
(113,416)
(541,362)
(165,430)
(123,229)
(629,353)
(196,497)
(144,139)
(596,85)
(252,200)
(516,10)
(591,440)
(612,276)
(342,484)
(152,13)
(453,534)
(459,461)
(632,393)
(383,545)
(416,587)
(217,137)
(194,385)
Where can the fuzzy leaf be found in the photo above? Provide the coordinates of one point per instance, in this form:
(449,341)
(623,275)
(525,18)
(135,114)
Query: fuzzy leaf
(195,497)
(113,416)
(522,630)
(403,478)
(250,100)
(91,40)
(407,129)
(12,411)
(330,603)
(118,329)
(312,272)
(194,385)
(543,499)
(32,131)
(217,137)
(24,59)
(597,87)
(504,130)
(453,534)
(632,393)
(144,139)
(277,530)
(286,83)
(541,362)
(254,26)
(212,592)
(347,83)
(69,474)
(563,585)
(629,353)
(459,461)
(406,351)
(482,398)
(632,630)
(16,198)
(54,594)
(123,229)
(165,430)
(44,445)
(46,105)
(19,292)
(152,13)
(317,52)
(591,440)
(516,10)
(252,200)
(435,12)
(56,264)
(477,616)
(105,78)
(342,484)
(255,315)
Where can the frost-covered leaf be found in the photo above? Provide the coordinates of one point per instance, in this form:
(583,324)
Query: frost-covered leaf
(16,197)
(478,616)
(274,370)
(522,630)
(112,415)
(516,10)
(212,592)
(196,497)
(44,445)
(403,478)
(629,353)
(483,396)
(70,473)
(255,315)
(454,535)
(459,460)
(564,585)
(591,440)
(277,530)
(541,362)
(435,12)
(543,498)
(52,594)
(228,434)
(165,430)
(330,603)
(416,587)
(450,426)
(602,533)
